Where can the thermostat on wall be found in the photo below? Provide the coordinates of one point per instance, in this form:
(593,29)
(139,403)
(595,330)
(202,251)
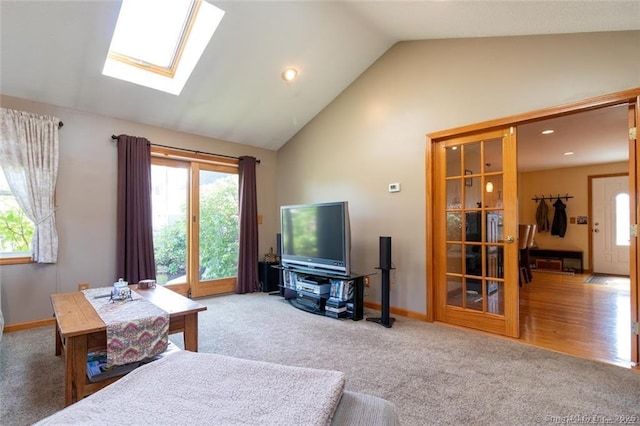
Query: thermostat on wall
(394,187)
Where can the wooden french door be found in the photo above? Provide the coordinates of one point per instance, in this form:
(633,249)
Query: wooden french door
(475,217)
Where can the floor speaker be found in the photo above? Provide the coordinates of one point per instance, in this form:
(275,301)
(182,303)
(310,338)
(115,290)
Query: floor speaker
(385,252)
(281,289)
(385,266)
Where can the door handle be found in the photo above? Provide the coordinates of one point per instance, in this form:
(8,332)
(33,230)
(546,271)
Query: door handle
(509,239)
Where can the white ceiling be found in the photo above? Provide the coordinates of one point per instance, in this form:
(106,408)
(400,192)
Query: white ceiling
(54,51)
(598,136)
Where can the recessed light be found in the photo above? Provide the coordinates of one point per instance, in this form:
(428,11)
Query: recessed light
(547,132)
(568,153)
(289,74)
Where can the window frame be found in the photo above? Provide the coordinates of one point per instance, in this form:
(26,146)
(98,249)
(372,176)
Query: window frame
(177,55)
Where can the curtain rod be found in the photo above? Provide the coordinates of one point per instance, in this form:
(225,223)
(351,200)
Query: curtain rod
(114,137)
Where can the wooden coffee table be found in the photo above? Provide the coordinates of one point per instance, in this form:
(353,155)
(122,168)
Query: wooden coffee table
(79,330)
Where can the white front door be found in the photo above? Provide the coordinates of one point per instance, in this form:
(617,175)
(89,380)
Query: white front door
(610,224)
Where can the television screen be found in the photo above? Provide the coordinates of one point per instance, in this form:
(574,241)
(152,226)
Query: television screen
(316,236)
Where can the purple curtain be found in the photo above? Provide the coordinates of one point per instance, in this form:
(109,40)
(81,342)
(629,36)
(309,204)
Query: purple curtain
(135,260)
(248,255)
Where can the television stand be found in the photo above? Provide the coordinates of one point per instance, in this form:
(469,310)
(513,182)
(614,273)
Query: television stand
(324,293)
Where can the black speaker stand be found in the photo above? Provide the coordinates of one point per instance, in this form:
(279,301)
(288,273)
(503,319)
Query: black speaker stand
(385,320)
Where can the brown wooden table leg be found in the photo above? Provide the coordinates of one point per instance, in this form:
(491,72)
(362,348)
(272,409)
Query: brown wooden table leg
(191,332)
(76,366)
(68,371)
(58,341)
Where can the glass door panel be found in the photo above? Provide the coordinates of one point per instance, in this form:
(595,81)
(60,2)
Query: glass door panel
(472,154)
(454,161)
(492,194)
(454,291)
(169,205)
(495,300)
(219,225)
(454,193)
(454,258)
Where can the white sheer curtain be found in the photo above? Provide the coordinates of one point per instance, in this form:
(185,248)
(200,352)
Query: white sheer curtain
(29,158)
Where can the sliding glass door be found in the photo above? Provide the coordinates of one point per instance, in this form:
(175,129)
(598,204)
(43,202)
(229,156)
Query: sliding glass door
(195,223)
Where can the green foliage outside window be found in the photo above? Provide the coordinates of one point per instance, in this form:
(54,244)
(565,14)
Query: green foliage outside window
(219,229)
(170,250)
(219,235)
(16,230)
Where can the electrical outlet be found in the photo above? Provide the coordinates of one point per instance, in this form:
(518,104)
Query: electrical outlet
(83,286)
(366,281)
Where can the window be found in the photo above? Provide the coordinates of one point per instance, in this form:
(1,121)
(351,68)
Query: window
(195,221)
(623,231)
(157,43)
(16,230)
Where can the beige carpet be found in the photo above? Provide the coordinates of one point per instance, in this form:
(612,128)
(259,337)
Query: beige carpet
(434,374)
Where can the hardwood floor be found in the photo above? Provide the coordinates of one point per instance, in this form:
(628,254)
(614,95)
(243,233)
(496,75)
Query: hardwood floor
(565,314)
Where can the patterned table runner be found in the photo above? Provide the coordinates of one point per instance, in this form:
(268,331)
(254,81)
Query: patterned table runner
(136,328)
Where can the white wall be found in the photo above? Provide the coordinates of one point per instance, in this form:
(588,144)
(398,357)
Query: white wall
(86,206)
(373,134)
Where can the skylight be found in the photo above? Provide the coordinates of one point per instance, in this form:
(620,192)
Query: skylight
(157,43)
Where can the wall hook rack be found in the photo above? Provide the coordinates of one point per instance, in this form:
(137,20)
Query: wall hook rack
(551,197)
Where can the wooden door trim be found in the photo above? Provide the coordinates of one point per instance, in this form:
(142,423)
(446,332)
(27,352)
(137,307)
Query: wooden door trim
(429,240)
(634,162)
(630,97)
(617,98)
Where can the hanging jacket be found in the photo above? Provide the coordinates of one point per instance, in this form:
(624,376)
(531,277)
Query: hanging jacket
(542,216)
(559,226)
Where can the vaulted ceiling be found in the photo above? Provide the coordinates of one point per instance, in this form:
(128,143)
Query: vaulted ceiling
(54,51)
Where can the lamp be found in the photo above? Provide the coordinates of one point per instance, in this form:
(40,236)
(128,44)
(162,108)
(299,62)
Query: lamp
(489,186)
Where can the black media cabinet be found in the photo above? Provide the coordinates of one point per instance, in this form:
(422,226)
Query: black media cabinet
(268,276)
(307,290)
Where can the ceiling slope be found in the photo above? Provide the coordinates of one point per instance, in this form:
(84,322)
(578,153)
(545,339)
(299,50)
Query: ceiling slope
(54,51)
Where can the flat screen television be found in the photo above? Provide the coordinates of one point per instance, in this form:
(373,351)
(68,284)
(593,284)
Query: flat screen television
(316,237)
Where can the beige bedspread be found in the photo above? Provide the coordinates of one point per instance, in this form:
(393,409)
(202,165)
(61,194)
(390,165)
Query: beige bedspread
(201,388)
